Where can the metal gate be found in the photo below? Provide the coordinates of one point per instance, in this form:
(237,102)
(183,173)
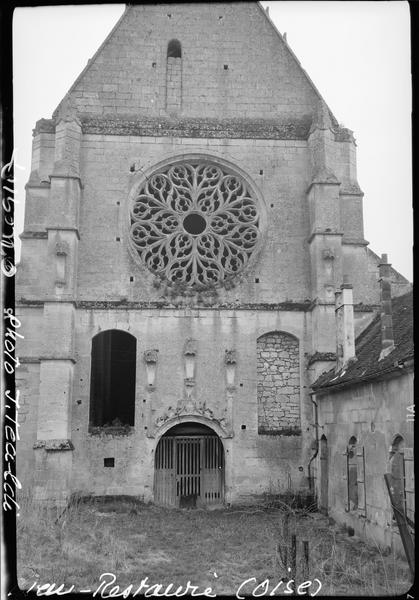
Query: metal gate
(189,471)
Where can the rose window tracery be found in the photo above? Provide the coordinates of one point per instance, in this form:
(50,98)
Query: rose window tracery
(195,224)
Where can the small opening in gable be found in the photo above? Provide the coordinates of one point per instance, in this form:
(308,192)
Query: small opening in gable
(174,49)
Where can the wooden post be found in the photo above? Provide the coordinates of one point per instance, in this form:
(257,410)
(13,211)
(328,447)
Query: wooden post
(283,548)
(286,538)
(399,514)
(306,560)
(293,557)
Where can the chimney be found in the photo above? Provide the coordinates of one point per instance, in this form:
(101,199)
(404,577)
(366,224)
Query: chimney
(345,332)
(387,336)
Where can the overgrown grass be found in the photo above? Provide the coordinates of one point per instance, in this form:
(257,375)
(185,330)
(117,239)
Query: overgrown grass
(218,548)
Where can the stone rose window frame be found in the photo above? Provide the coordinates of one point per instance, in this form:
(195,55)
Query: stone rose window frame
(195,222)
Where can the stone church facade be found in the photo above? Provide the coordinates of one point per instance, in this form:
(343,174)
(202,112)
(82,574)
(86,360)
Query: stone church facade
(192,207)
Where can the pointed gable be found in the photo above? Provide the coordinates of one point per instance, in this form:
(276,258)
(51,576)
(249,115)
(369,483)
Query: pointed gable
(234,64)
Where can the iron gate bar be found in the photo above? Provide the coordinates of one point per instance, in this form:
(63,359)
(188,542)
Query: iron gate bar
(189,465)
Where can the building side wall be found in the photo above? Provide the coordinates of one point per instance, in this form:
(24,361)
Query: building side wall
(374,413)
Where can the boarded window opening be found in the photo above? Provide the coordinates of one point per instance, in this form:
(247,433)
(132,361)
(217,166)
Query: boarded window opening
(324,475)
(352,468)
(397,469)
(112,383)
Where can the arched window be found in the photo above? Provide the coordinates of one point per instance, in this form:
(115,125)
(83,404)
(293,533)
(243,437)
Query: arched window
(174,77)
(278,384)
(174,49)
(112,381)
(352,470)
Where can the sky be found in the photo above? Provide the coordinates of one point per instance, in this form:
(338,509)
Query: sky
(356,53)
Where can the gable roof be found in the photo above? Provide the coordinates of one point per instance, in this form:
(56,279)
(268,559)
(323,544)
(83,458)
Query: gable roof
(127,74)
(368,348)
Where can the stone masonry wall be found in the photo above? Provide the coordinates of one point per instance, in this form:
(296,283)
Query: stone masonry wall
(375,414)
(278,385)
(234,64)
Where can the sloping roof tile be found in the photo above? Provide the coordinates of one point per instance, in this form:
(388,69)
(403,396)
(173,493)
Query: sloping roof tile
(368,348)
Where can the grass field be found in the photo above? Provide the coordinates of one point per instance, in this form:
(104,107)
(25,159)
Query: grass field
(218,549)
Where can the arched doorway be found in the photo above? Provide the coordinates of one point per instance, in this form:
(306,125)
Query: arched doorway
(189,467)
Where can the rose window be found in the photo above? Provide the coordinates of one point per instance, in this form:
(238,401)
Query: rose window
(194,224)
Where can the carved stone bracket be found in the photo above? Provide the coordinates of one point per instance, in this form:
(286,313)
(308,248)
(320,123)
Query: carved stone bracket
(328,254)
(150,358)
(230,360)
(61,248)
(230,357)
(61,252)
(190,351)
(190,347)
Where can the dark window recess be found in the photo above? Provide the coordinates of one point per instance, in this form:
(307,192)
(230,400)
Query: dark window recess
(112,387)
(154,65)
(272,205)
(241,385)
(118,239)
(169,15)
(352,470)
(243,426)
(108,462)
(118,203)
(261,172)
(225,67)
(174,49)
(257,280)
(131,278)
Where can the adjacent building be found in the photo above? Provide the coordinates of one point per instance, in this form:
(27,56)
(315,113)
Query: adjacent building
(365,412)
